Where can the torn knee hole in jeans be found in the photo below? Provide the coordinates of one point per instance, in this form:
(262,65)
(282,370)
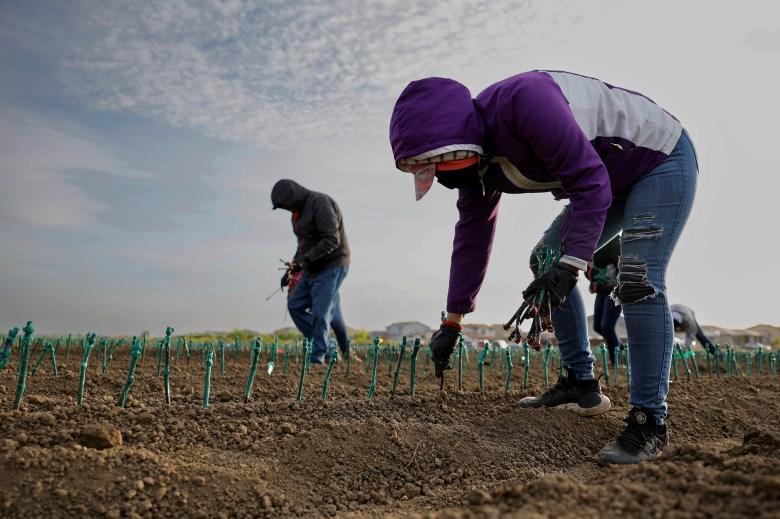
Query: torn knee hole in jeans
(651,232)
(632,283)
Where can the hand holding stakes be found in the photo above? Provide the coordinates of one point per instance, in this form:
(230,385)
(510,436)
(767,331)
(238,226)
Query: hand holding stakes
(255,357)
(89,344)
(23,364)
(372,387)
(207,383)
(9,341)
(413,364)
(303,369)
(167,370)
(331,361)
(401,351)
(136,352)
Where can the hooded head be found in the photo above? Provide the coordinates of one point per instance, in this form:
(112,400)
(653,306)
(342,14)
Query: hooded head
(288,194)
(434,121)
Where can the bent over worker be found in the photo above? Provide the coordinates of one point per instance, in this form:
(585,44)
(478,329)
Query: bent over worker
(623,164)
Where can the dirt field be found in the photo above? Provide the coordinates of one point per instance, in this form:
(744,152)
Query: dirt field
(444,454)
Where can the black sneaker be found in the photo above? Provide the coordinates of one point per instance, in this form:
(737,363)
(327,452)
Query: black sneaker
(579,396)
(640,440)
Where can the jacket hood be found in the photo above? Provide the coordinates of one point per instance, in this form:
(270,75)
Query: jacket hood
(288,193)
(432,113)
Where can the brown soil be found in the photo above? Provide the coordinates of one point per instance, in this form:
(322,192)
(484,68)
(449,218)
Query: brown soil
(444,454)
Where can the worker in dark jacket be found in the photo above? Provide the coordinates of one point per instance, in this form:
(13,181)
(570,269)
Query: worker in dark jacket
(685,321)
(323,257)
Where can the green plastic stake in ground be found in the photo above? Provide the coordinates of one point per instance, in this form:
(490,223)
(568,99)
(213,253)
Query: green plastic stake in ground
(104,351)
(143,349)
(749,361)
(684,362)
(221,359)
(135,353)
(526,364)
(603,349)
(508,355)
(492,357)
(413,364)
(303,369)
(692,355)
(617,363)
(348,353)
(545,362)
(372,387)
(23,364)
(256,349)
(674,364)
(167,370)
(89,344)
(401,351)
(46,349)
(334,356)
(67,350)
(9,342)
(54,357)
(207,383)
(272,362)
(481,365)
(460,362)
(709,363)
(717,361)
(286,358)
(427,358)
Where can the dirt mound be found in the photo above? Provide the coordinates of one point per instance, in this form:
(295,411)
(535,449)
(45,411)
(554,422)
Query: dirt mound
(452,453)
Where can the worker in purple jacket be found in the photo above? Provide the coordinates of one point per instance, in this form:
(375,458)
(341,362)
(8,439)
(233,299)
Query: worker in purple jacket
(625,166)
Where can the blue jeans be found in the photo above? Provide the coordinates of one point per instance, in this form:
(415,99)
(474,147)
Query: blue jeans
(339,327)
(605,316)
(313,305)
(651,216)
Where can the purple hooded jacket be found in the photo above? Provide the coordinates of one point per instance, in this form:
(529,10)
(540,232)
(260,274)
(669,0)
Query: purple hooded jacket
(575,136)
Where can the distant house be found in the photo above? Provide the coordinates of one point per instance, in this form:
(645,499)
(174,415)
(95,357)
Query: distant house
(731,337)
(484,331)
(410,329)
(769,334)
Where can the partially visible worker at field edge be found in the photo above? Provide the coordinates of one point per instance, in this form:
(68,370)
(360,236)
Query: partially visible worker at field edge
(322,255)
(624,165)
(685,321)
(603,279)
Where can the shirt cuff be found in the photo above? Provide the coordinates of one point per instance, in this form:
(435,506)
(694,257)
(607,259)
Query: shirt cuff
(577,263)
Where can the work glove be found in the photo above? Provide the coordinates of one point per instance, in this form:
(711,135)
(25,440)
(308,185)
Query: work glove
(557,283)
(442,345)
(710,347)
(292,269)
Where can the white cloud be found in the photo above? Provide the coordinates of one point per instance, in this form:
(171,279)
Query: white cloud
(35,154)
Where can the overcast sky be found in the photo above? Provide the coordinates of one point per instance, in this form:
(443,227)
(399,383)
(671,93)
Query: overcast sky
(139,142)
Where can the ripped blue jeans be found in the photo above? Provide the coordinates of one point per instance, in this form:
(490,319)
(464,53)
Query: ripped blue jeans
(651,217)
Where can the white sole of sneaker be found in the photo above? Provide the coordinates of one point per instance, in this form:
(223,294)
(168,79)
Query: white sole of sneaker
(602,408)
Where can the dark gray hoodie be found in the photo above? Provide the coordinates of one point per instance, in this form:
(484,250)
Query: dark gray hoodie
(317,223)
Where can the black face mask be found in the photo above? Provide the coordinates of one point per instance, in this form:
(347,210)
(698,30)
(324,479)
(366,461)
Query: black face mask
(466,178)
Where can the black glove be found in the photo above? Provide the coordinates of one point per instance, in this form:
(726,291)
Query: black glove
(710,347)
(292,268)
(442,345)
(286,278)
(557,283)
